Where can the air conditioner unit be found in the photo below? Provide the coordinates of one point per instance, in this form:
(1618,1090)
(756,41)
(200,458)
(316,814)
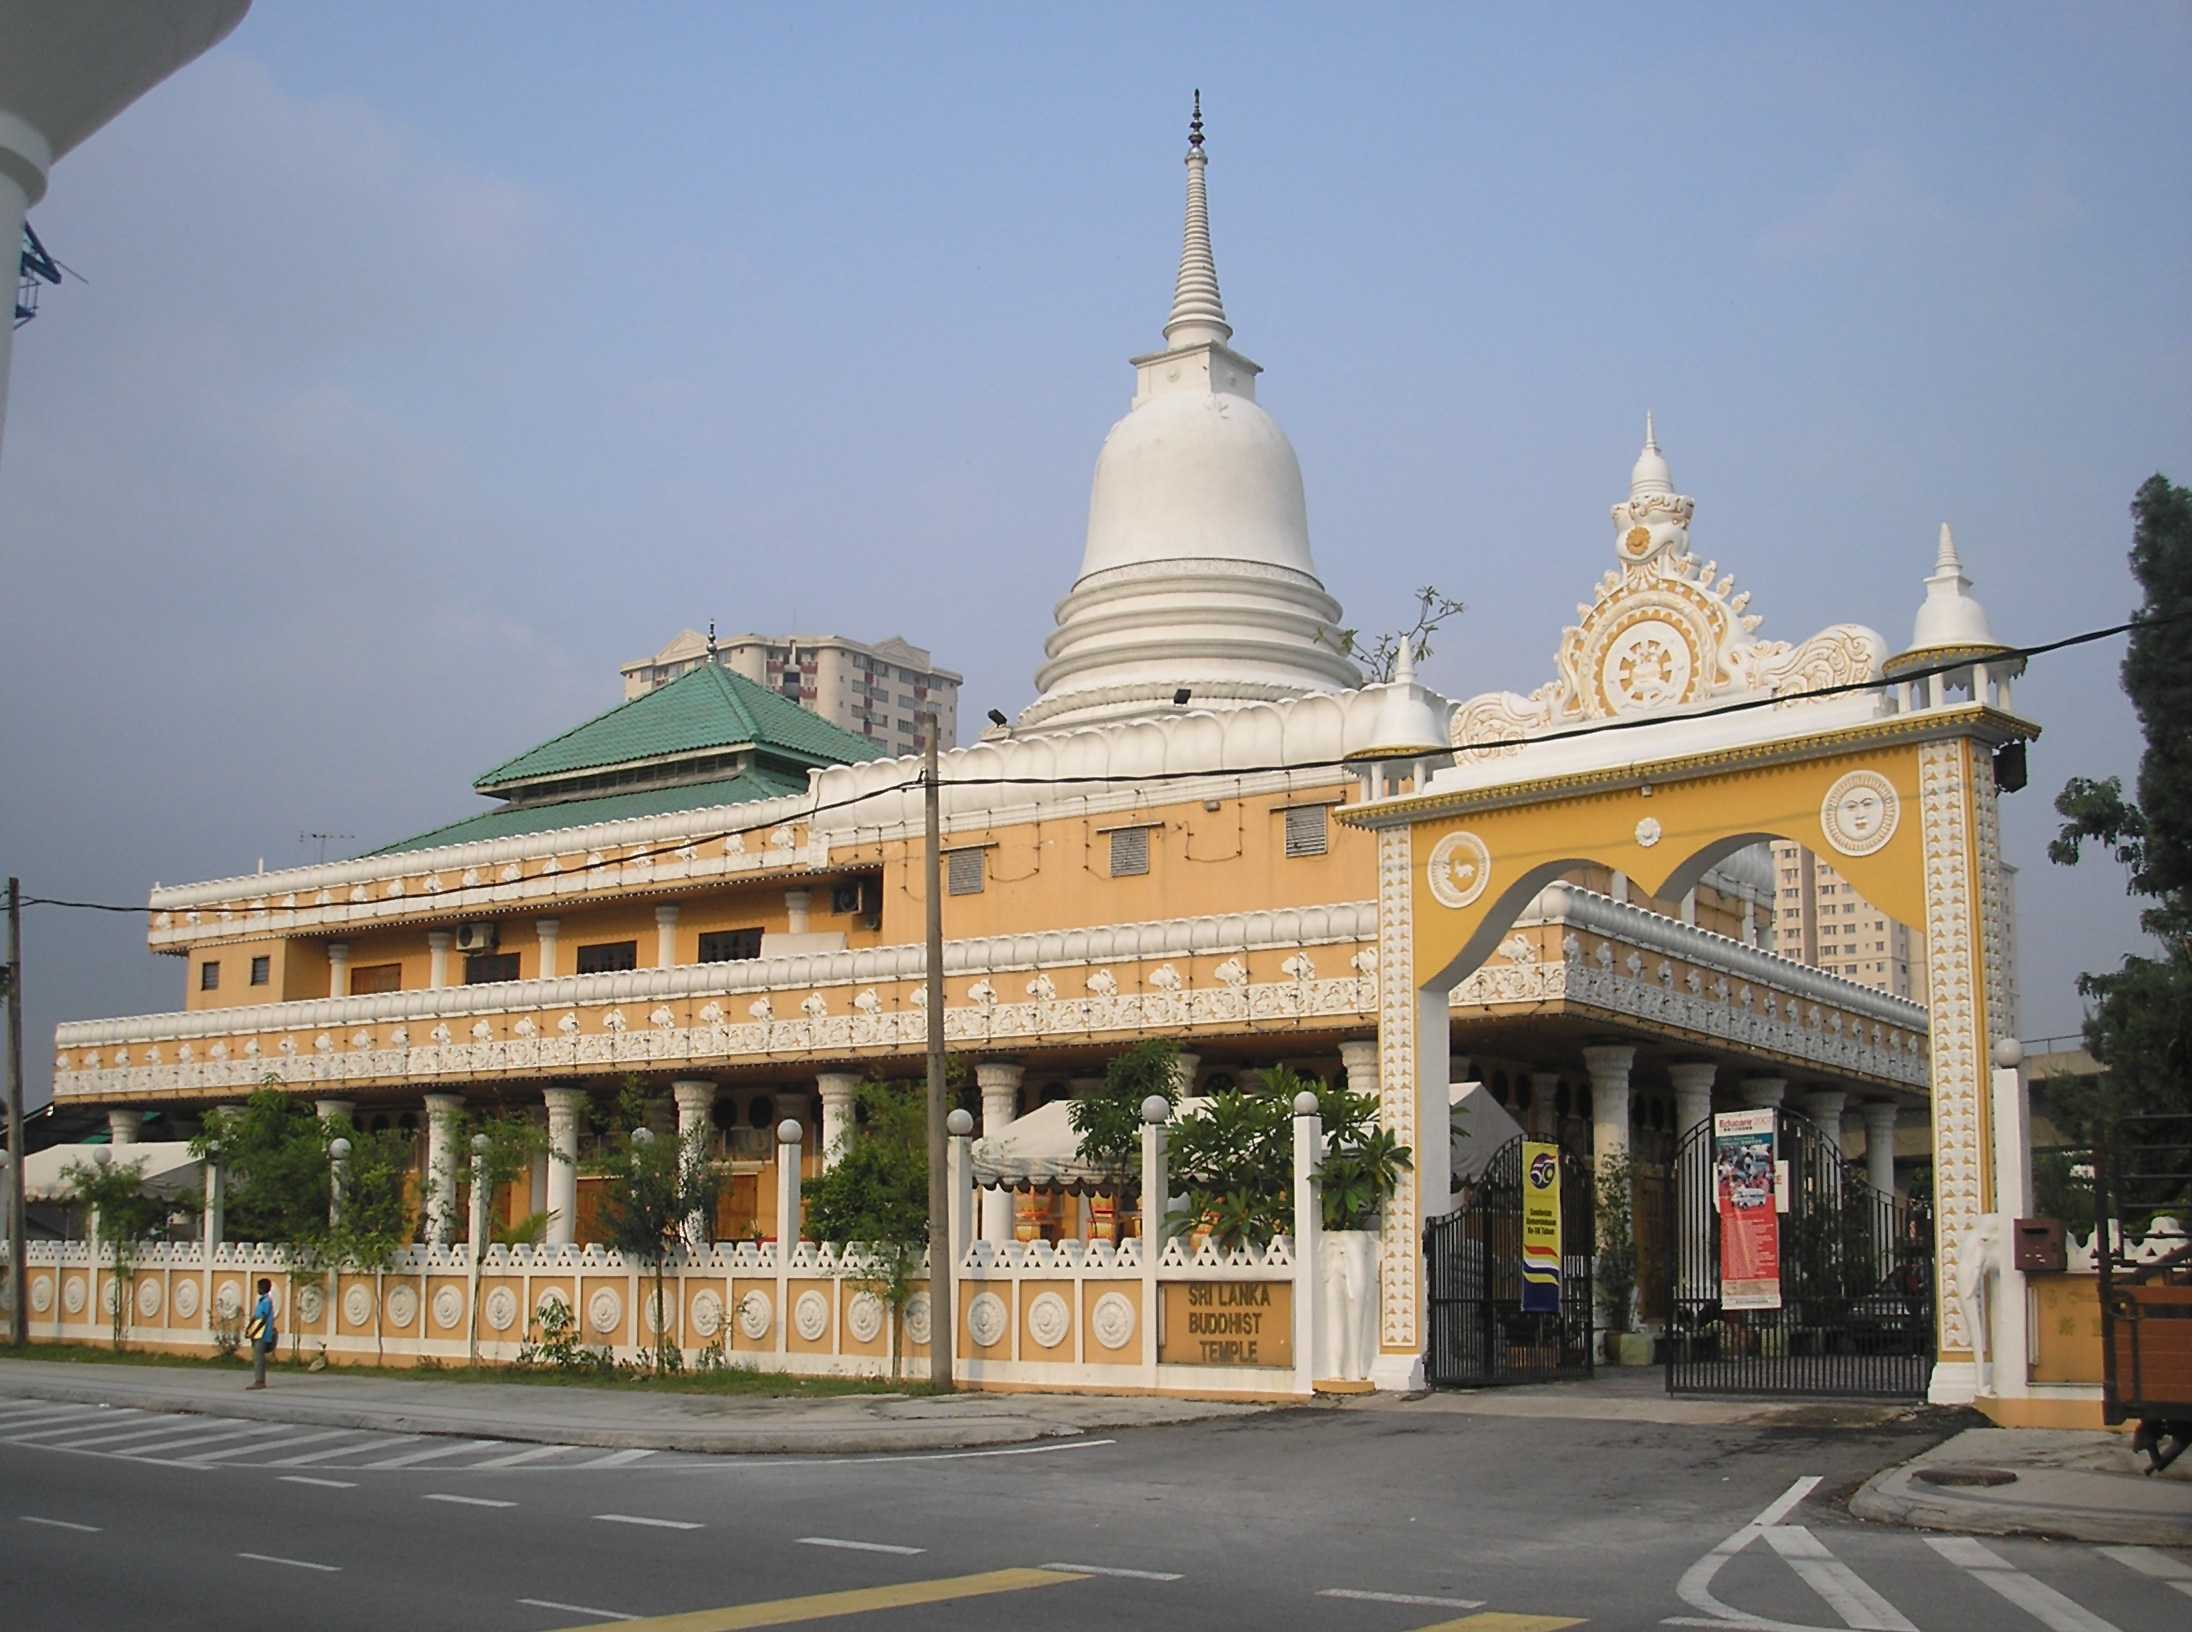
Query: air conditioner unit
(476,938)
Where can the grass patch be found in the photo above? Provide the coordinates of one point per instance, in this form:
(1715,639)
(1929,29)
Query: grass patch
(736,1382)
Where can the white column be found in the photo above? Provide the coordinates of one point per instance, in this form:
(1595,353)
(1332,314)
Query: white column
(796,904)
(1156,1197)
(475,1235)
(566,1114)
(338,968)
(1609,1065)
(1762,1093)
(787,1196)
(837,1088)
(1879,1115)
(1543,1121)
(1693,1086)
(1308,1233)
(536,1189)
(1184,1066)
(959,1191)
(442,1111)
(665,937)
(1359,1058)
(1824,1107)
(999,1081)
(437,958)
(123,1127)
(547,929)
(695,1106)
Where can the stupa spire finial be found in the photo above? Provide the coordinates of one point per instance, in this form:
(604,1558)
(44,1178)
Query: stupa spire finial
(1198,314)
(1651,442)
(1946,559)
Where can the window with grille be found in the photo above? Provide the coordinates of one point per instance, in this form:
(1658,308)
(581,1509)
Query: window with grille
(1129,852)
(608,957)
(963,873)
(730,945)
(262,971)
(487,968)
(209,977)
(1305,834)
(368,978)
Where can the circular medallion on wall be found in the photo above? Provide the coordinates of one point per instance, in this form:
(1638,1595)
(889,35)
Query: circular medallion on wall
(1648,832)
(402,1305)
(605,1311)
(41,1293)
(1459,869)
(149,1297)
(554,1295)
(110,1296)
(186,1300)
(707,1313)
(357,1305)
(311,1302)
(1049,1320)
(1112,1320)
(657,1316)
(919,1312)
(72,1295)
(986,1319)
(501,1308)
(228,1300)
(448,1307)
(1860,813)
(755,1315)
(864,1317)
(1651,663)
(811,1316)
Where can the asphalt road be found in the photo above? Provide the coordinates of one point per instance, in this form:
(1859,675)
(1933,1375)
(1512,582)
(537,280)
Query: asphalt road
(1293,1519)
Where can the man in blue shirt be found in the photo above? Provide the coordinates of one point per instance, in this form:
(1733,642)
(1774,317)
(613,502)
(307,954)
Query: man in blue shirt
(262,1333)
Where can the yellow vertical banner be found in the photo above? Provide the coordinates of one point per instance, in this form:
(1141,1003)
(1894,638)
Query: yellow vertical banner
(1540,1228)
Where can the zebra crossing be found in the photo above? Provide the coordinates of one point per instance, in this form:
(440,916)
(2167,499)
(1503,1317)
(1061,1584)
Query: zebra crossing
(181,1439)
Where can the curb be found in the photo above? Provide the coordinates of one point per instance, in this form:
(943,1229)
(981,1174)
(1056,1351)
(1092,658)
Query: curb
(1887,1498)
(927,1434)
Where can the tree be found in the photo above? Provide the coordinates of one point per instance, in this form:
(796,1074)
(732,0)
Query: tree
(375,1210)
(2139,1022)
(1109,1121)
(1383,654)
(876,1193)
(655,1185)
(273,1154)
(123,1212)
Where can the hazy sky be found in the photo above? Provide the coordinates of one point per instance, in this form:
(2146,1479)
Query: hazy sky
(434,359)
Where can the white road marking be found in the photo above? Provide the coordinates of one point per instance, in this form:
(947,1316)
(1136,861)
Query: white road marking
(1087,1569)
(149,1442)
(1846,1592)
(860,1546)
(433,1451)
(372,1442)
(1695,1587)
(30,1434)
(466,1501)
(2036,1598)
(961,1456)
(518,1459)
(61,1524)
(22,1416)
(324,1484)
(578,1609)
(1423,1599)
(615,1459)
(660,1524)
(267,1445)
(293,1563)
(2151,1561)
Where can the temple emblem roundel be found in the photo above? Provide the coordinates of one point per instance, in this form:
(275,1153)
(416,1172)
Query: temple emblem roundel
(1650,664)
(1860,812)
(1459,869)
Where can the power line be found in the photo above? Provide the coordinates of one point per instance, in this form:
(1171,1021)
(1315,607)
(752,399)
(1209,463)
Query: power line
(1237,772)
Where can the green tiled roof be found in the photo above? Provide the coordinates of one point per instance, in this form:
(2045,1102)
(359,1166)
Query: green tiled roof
(710,707)
(511,821)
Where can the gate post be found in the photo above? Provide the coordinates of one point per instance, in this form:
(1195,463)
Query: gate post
(1308,1237)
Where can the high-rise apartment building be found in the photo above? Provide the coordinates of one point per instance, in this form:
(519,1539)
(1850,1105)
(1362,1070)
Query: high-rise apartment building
(1820,919)
(889,693)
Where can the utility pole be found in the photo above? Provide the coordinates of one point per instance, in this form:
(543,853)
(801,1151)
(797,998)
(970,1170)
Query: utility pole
(18,1300)
(943,1335)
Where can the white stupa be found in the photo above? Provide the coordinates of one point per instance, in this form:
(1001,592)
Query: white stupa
(1197,575)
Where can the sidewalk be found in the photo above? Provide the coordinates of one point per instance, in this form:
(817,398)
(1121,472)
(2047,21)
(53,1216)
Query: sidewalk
(2078,1486)
(1636,1394)
(609,1417)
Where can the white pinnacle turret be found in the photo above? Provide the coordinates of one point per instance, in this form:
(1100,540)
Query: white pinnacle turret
(1198,314)
(1950,617)
(1651,474)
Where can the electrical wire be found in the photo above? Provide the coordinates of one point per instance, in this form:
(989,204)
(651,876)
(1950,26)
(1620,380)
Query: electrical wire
(1596,728)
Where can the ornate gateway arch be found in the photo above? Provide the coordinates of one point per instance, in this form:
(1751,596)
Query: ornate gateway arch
(1671,740)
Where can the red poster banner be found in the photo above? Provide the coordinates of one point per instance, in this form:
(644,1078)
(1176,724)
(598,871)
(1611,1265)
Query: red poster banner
(1744,1172)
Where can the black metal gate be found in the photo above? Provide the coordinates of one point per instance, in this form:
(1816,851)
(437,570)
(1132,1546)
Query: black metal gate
(1855,1289)
(1479,1334)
